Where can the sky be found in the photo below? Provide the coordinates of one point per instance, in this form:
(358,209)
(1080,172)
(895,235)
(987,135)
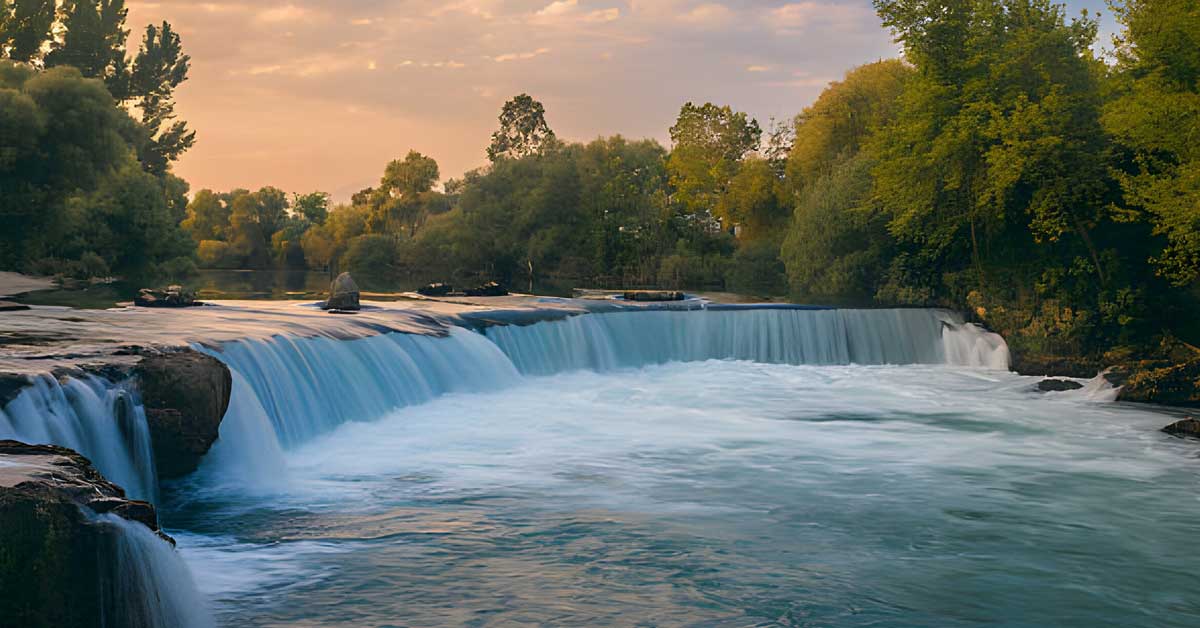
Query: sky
(312,95)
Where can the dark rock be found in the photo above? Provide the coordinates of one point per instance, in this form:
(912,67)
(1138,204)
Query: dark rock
(1058,385)
(435,290)
(1186,427)
(489,289)
(652,296)
(11,385)
(173,296)
(343,294)
(1158,382)
(53,556)
(185,395)
(9,306)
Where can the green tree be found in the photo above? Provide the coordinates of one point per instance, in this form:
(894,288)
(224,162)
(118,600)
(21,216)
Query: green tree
(25,28)
(158,69)
(1156,115)
(207,217)
(93,41)
(523,130)
(997,136)
(313,207)
(708,144)
(403,199)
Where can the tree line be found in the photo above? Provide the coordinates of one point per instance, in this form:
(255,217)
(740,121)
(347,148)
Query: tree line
(1003,166)
(87,135)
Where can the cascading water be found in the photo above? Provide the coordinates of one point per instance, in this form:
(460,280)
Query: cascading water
(99,419)
(308,386)
(147,584)
(603,342)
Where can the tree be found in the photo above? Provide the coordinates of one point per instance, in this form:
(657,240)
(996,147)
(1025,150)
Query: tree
(708,144)
(159,68)
(401,202)
(93,41)
(24,28)
(313,207)
(523,130)
(58,133)
(997,135)
(753,203)
(1156,115)
(207,217)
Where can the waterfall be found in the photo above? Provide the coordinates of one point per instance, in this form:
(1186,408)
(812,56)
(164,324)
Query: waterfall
(309,386)
(607,341)
(147,584)
(97,418)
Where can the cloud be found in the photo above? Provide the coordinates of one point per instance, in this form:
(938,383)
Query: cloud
(284,13)
(709,15)
(804,16)
(603,15)
(561,7)
(758,68)
(520,56)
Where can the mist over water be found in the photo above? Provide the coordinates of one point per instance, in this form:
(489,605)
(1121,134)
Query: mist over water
(716,493)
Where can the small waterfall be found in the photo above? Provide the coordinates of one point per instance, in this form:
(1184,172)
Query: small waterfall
(309,386)
(607,341)
(99,419)
(147,585)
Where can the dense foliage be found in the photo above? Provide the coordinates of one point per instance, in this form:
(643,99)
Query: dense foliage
(85,187)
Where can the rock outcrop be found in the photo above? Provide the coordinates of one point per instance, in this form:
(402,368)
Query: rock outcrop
(343,294)
(173,296)
(1185,427)
(53,555)
(653,296)
(1058,385)
(1150,382)
(185,395)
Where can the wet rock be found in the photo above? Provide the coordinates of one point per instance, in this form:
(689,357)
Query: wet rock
(653,296)
(1186,427)
(343,294)
(9,306)
(1058,385)
(489,289)
(53,555)
(173,296)
(1039,365)
(435,290)
(185,395)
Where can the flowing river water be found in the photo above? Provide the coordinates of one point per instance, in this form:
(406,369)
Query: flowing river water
(767,468)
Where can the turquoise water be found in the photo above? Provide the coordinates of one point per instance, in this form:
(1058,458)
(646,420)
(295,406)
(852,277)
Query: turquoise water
(716,493)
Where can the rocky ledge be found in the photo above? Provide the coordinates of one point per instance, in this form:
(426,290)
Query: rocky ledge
(53,554)
(185,395)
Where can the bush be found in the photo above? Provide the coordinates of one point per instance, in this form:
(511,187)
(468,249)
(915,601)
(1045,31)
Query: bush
(217,254)
(372,254)
(756,269)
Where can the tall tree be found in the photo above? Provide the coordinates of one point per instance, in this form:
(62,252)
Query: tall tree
(93,41)
(159,68)
(523,130)
(708,144)
(25,27)
(400,203)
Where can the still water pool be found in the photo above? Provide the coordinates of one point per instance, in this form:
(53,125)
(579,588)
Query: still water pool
(716,493)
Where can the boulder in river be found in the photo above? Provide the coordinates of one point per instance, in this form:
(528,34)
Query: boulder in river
(435,290)
(343,294)
(185,395)
(173,296)
(1186,427)
(54,556)
(652,296)
(489,289)
(1058,385)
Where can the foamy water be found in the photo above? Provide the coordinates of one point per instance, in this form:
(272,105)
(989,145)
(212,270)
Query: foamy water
(714,493)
